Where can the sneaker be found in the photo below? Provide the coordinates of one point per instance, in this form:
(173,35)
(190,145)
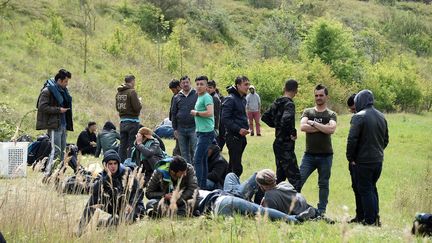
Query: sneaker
(252,134)
(355,220)
(259,134)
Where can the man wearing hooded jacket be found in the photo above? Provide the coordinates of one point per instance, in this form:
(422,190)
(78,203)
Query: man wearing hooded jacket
(236,124)
(367,139)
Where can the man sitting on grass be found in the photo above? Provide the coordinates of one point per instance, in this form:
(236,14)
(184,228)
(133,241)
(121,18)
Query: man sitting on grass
(113,194)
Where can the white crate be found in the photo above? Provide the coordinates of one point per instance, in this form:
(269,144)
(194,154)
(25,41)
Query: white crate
(13,159)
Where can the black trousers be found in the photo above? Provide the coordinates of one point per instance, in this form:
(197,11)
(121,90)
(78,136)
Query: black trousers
(286,164)
(128,130)
(354,181)
(367,177)
(236,145)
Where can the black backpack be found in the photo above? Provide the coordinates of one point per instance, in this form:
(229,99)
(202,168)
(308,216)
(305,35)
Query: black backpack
(422,224)
(38,149)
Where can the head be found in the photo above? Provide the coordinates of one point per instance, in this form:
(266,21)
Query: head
(211,86)
(92,127)
(178,167)
(145,133)
(350,103)
(252,89)
(266,179)
(291,87)
(201,84)
(109,126)
(185,83)
(174,86)
(363,99)
(62,78)
(242,85)
(321,94)
(111,161)
(130,79)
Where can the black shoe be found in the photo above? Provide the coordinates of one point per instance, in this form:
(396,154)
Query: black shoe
(252,134)
(355,220)
(259,134)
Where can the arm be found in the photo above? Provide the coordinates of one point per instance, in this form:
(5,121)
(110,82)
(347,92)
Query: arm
(386,136)
(208,113)
(44,103)
(305,127)
(227,115)
(98,146)
(136,104)
(353,138)
(328,128)
(218,171)
(190,186)
(267,117)
(174,110)
(154,149)
(154,190)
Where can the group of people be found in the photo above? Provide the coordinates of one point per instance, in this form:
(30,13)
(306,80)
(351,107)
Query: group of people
(203,122)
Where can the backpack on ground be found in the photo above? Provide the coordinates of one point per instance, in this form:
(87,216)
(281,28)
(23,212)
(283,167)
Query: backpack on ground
(422,224)
(38,149)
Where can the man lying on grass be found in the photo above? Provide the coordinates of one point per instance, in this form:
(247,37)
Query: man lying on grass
(115,193)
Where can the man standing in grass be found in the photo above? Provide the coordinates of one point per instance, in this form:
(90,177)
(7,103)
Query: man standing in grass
(235,120)
(175,88)
(54,113)
(253,107)
(204,122)
(129,107)
(367,139)
(319,123)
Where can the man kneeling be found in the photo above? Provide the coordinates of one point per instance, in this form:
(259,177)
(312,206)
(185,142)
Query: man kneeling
(116,192)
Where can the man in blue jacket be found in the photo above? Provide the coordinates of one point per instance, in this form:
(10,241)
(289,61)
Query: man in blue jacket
(236,123)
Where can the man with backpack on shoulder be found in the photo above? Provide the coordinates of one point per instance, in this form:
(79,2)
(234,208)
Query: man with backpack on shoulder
(54,113)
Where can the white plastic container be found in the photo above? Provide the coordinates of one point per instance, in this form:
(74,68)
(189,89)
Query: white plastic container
(13,159)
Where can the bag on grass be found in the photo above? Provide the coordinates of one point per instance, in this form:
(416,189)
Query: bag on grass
(422,224)
(38,149)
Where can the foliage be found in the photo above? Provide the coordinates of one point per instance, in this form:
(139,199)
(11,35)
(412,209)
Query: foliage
(152,21)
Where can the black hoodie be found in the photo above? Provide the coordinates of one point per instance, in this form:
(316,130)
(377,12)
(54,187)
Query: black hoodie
(233,114)
(368,135)
(281,115)
(217,166)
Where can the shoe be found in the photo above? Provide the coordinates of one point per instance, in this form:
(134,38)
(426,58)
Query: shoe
(259,134)
(355,220)
(252,134)
(309,213)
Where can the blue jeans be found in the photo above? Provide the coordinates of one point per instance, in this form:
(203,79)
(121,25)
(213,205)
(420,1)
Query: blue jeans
(58,144)
(231,205)
(204,139)
(187,142)
(244,190)
(323,164)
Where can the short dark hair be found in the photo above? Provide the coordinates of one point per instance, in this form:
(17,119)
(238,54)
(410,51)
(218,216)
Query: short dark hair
(350,100)
(129,78)
(240,79)
(184,78)
(211,83)
(201,78)
(174,84)
(91,123)
(177,164)
(62,74)
(320,87)
(291,85)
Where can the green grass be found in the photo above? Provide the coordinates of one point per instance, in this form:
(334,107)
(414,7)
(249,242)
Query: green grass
(32,212)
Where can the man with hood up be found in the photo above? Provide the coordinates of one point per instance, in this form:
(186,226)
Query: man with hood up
(367,139)
(217,168)
(116,191)
(129,107)
(236,124)
(281,116)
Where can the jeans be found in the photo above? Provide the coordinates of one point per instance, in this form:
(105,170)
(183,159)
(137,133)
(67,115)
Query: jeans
(230,205)
(187,141)
(359,207)
(286,164)
(211,185)
(323,164)
(236,145)
(367,177)
(254,116)
(244,190)
(128,131)
(204,140)
(58,145)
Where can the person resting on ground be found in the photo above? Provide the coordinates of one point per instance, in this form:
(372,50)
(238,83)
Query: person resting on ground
(107,139)
(217,168)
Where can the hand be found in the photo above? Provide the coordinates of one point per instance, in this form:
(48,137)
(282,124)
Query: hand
(138,139)
(311,123)
(293,137)
(63,110)
(243,132)
(168,196)
(93,144)
(353,163)
(193,112)
(176,134)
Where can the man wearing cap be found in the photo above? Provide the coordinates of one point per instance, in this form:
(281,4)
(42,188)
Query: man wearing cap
(113,192)
(146,152)
(86,141)
(253,108)
(129,107)
(283,196)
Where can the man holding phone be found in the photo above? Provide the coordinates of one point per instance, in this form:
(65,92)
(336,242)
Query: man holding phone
(54,113)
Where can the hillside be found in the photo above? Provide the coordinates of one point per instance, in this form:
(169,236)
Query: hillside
(385,46)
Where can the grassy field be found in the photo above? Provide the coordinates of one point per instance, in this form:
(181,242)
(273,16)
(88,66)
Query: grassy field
(33,212)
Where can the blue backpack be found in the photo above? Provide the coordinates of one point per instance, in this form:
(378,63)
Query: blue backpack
(38,149)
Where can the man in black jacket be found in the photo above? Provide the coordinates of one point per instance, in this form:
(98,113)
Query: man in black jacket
(87,141)
(367,139)
(217,168)
(174,86)
(235,120)
(281,116)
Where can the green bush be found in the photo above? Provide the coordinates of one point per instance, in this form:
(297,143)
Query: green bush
(55,29)
(211,26)
(152,21)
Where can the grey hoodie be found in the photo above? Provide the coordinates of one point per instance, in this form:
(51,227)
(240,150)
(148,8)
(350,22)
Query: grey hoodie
(281,198)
